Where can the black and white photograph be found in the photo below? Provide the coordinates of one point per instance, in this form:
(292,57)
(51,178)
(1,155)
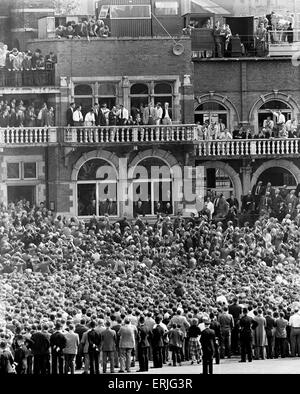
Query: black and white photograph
(149,191)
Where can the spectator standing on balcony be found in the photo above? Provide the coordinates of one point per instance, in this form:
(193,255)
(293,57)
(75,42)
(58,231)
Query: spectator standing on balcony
(280,121)
(51,117)
(89,119)
(123,115)
(77,116)
(50,61)
(291,127)
(27,69)
(60,31)
(149,116)
(42,118)
(260,40)
(70,112)
(30,117)
(268,125)
(16,67)
(158,114)
(113,116)
(3,56)
(166,115)
(290,34)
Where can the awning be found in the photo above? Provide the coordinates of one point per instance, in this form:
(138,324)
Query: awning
(203,7)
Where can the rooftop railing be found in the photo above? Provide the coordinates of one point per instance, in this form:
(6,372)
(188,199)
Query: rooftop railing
(27,136)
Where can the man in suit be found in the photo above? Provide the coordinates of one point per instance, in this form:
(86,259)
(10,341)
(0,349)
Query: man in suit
(80,329)
(207,341)
(176,338)
(108,340)
(144,337)
(248,203)
(70,350)
(270,332)
(39,345)
(235,310)
(269,189)
(97,114)
(94,342)
(257,193)
(246,325)
(227,323)
(70,111)
(277,200)
(158,112)
(166,115)
(266,203)
(126,344)
(123,115)
(232,201)
(158,343)
(58,343)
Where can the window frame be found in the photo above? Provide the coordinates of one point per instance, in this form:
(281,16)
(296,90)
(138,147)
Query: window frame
(23,170)
(165,8)
(130,17)
(19,163)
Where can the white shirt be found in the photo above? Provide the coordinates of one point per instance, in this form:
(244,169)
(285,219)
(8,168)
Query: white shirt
(211,207)
(268,123)
(280,117)
(167,113)
(123,113)
(77,116)
(158,112)
(295,320)
(89,119)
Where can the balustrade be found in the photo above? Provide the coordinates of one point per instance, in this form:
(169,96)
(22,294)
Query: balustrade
(263,147)
(28,135)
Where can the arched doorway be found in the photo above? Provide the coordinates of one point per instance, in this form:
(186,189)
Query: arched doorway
(152,187)
(278,177)
(212,112)
(96,189)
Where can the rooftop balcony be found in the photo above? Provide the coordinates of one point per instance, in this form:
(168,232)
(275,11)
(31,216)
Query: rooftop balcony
(256,148)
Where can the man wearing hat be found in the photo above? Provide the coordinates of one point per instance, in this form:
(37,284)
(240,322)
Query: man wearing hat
(207,341)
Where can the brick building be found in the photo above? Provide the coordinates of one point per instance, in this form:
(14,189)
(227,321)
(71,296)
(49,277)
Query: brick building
(68,167)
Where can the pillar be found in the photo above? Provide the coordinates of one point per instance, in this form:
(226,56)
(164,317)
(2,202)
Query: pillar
(187,101)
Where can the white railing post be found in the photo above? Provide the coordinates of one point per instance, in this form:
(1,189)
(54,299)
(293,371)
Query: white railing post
(2,136)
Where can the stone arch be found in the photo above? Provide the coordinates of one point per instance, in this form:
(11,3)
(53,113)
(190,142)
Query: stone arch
(234,118)
(263,99)
(165,156)
(287,165)
(233,175)
(110,157)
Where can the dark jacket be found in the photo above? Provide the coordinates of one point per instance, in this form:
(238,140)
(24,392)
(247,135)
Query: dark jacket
(246,326)
(144,336)
(58,342)
(158,336)
(70,121)
(80,329)
(207,341)
(94,339)
(40,343)
(108,340)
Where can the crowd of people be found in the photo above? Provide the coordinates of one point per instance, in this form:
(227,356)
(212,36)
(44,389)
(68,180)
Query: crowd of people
(19,68)
(280,127)
(86,28)
(76,294)
(14,113)
(118,115)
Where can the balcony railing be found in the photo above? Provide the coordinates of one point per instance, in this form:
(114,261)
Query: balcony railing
(130,134)
(27,136)
(256,147)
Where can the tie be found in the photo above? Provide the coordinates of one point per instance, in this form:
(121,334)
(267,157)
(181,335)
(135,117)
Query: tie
(122,114)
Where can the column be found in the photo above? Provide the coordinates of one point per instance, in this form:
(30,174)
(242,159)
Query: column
(246,172)
(124,199)
(187,103)
(126,92)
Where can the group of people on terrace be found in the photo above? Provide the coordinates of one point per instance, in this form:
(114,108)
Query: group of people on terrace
(280,128)
(86,28)
(118,115)
(14,113)
(27,68)
(80,295)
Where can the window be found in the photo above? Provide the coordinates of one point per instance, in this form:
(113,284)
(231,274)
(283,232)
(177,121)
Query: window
(266,109)
(139,88)
(163,94)
(83,90)
(130,12)
(103,12)
(163,8)
(29,170)
(162,88)
(212,112)
(13,171)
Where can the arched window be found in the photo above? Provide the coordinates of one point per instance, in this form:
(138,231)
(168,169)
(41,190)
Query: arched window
(163,94)
(83,90)
(211,111)
(139,95)
(267,110)
(152,187)
(278,177)
(139,88)
(97,189)
(163,88)
(106,94)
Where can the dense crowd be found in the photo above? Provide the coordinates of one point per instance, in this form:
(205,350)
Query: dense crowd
(14,113)
(86,28)
(19,68)
(280,128)
(75,294)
